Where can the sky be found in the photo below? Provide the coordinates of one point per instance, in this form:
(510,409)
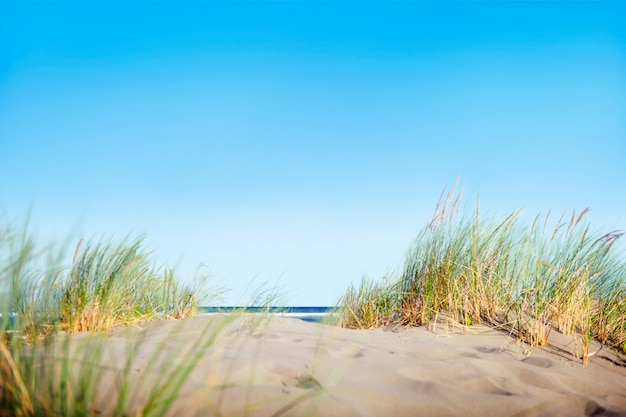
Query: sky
(303,145)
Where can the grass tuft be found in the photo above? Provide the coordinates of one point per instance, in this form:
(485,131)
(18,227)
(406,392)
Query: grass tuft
(42,371)
(500,271)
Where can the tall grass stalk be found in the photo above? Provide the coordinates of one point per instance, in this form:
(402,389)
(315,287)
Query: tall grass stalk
(497,271)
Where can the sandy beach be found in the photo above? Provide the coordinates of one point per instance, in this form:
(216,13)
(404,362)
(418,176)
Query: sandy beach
(288,367)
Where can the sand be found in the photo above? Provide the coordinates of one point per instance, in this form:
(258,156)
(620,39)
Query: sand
(288,367)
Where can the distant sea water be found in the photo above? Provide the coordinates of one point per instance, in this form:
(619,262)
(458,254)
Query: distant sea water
(312,314)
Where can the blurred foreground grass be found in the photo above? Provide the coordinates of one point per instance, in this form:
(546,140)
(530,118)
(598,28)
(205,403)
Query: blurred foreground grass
(107,284)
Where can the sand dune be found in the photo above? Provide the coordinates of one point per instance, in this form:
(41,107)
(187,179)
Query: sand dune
(288,367)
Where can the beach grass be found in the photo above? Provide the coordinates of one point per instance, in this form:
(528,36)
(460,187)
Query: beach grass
(108,284)
(527,278)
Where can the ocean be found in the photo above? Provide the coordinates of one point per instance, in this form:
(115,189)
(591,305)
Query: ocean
(312,314)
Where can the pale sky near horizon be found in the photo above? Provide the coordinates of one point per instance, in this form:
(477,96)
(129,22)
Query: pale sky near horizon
(305,143)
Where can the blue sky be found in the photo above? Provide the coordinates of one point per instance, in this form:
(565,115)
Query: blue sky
(305,143)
